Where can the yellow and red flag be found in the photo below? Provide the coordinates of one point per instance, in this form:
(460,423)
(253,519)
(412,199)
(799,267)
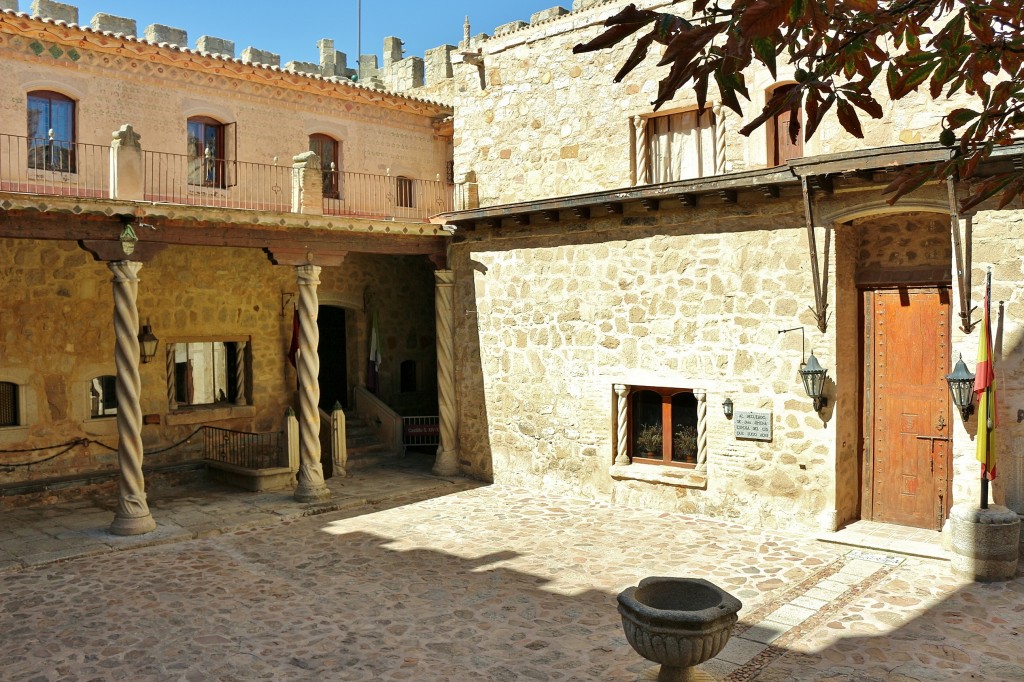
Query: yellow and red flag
(985,389)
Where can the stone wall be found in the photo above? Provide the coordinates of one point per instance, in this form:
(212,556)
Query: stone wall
(684,299)
(538,121)
(56,331)
(273,123)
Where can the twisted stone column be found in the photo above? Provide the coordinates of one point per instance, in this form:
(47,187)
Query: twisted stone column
(172,382)
(621,456)
(702,430)
(132,516)
(240,398)
(311,486)
(446,463)
(643,175)
(719,133)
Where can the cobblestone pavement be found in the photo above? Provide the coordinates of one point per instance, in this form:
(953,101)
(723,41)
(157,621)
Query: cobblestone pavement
(492,584)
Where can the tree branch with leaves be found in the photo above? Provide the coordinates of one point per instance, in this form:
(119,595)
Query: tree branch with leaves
(840,49)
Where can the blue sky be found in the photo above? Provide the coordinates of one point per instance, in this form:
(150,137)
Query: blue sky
(291,29)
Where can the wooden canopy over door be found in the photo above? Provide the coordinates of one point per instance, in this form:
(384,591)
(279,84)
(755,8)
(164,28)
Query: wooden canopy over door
(909,431)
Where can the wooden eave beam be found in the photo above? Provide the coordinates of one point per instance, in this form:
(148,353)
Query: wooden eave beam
(94,228)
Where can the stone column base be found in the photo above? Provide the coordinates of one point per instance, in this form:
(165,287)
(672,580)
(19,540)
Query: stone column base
(985,542)
(446,464)
(305,492)
(133,525)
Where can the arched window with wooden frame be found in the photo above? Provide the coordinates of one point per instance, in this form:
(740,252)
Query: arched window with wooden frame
(211,152)
(51,131)
(781,146)
(328,148)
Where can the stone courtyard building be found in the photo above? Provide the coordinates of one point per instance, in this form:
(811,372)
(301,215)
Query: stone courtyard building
(594,298)
(623,274)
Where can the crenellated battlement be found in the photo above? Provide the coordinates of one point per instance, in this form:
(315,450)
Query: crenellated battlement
(395,72)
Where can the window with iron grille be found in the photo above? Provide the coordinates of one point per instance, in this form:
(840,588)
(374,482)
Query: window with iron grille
(404,198)
(9,404)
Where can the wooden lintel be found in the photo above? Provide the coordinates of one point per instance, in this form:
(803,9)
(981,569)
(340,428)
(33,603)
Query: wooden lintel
(612,207)
(770,191)
(729,196)
(822,183)
(100,229)
(115,250)
(581,212)
(650,204)
(550,216)
(688,199)
(283,255)
(521,219)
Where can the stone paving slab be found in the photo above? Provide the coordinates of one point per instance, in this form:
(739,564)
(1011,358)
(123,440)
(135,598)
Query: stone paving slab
(450,581)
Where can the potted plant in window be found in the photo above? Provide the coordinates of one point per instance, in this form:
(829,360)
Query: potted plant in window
(684,443)
(648,441)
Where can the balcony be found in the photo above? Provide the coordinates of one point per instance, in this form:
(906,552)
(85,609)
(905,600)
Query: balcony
(126,172)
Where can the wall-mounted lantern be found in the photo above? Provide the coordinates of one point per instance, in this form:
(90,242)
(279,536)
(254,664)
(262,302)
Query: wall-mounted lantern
(961,386)
(727,408)
(813,375)
(147,343)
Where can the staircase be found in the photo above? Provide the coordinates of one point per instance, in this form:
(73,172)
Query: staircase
(364,448)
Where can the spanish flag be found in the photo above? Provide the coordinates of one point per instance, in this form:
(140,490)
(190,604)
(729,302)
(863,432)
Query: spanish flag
(985,389)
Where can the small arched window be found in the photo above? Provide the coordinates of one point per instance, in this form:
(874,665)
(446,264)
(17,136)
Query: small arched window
(326,148)
(51,131)
(210,152)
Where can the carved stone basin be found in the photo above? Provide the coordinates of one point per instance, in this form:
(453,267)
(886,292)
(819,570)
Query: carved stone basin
(677,622)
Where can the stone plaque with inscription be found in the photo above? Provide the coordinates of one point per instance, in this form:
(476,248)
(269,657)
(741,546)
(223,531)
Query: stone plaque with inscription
(753,424)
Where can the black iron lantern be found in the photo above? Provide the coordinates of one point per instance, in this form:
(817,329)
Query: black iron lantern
(147,343)
(961,386)
(727,408)
(813,375)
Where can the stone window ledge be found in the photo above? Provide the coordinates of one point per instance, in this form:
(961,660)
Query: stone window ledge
(211,414)
(652,473)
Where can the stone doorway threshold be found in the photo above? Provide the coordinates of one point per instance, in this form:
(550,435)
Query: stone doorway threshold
(887,537)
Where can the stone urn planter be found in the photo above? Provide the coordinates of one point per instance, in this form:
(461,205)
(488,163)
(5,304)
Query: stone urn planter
(677,622)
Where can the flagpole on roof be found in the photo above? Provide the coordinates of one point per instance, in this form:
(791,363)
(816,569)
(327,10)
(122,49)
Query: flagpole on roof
(359,36)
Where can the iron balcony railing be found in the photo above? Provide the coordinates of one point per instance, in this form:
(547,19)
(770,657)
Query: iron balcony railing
(71,169)
(384,196)
(48,166)
(216,183)
(244,449)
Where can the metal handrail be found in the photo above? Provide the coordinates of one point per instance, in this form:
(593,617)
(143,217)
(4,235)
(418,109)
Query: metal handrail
(244,449)
(384,196)
(31,165)
(216,183)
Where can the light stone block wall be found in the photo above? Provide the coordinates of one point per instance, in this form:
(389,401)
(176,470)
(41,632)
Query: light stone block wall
(554,317)
(999,246)
(551,123)
(271,123)
(57,333)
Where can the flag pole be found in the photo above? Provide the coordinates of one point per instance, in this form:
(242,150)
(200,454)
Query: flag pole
(985,420)
(359,37)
